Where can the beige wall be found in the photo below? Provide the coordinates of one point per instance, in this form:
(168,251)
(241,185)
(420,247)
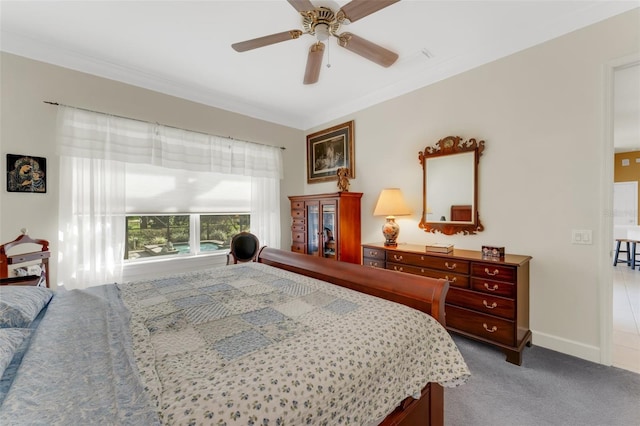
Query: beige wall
(540,112)
(627,173)
(28,127)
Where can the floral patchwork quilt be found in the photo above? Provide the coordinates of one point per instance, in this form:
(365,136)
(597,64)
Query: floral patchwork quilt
(252,344)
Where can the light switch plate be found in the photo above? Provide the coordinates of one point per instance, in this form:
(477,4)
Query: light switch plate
(581,236)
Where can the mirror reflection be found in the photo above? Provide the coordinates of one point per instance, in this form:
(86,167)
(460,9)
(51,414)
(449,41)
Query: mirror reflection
(452,202)
(450,186)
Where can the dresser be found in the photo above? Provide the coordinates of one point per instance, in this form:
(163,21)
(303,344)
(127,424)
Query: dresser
(327,225)
(488,299)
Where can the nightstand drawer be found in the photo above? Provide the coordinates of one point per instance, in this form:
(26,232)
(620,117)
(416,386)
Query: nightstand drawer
(455,280)
(434,262)
(485,303)
(485,326)
(494,272)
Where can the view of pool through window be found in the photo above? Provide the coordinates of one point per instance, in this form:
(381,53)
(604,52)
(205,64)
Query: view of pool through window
(204,246)
(169,235)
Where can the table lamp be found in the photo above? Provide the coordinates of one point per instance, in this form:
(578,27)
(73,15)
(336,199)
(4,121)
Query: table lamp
(391,204)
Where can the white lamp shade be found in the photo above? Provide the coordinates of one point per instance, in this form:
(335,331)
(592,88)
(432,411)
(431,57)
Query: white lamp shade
(391,203)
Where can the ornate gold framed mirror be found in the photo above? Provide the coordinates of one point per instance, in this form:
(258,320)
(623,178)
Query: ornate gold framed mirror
(450,186)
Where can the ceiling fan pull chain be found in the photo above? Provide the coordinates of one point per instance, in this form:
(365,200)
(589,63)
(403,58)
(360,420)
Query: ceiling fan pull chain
(328,56)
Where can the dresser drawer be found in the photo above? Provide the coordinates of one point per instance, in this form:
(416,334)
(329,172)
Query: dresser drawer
(373,253)
(297,214)
(494,272)
(297,237)
(480,302)
(433,262)
(497,288)
(455,280)
(297,205)
(298,227)
(481,325)
(297,247)
(373,262)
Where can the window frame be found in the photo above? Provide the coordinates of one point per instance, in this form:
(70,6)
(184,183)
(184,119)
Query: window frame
(194,238)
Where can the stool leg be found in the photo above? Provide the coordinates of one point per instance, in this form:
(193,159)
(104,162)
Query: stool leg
(615,258)
(633,256)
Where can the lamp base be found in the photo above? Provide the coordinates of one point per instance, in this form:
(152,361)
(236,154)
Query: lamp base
(390,230)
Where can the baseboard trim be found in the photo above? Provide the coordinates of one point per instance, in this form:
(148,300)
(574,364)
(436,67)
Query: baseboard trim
(566,346)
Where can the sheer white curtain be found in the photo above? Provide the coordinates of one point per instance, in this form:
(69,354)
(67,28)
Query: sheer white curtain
(94,149)
(91,222)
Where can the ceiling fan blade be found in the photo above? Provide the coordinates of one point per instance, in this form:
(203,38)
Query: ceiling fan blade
(367,49)
(301,5)
(314,62)
(243,46)
(357,9)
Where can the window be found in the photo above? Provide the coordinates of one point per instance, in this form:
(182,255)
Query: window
(105,168)
(212,207)
(170,235)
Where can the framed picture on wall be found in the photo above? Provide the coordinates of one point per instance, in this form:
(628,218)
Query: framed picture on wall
(26,173)
(329,150)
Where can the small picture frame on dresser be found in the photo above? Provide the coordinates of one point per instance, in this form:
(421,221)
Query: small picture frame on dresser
(492,252)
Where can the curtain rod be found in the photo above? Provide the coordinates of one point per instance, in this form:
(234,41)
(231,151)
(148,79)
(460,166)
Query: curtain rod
(165,125)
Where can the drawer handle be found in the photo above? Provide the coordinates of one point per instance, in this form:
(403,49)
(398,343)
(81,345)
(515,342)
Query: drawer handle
(494,288)
(373,253)
(400,269)
(454,266)
(488,272)
(373,264)
(396,257)
(490,330)
(451,280)
(486,305)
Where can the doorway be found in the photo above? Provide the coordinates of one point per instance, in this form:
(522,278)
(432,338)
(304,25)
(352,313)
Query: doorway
(624,296)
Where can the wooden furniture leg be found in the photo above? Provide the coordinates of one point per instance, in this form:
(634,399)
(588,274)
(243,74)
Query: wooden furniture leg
(630,256)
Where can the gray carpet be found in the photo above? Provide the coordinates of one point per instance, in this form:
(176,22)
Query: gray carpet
(550,388)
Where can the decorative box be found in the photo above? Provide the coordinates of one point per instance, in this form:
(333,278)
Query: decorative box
(491,252)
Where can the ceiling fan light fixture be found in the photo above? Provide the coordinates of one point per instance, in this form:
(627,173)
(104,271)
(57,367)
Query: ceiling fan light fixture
(322,32)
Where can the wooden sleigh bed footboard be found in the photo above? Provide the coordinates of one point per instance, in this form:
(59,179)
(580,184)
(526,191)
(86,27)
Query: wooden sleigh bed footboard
(422,293)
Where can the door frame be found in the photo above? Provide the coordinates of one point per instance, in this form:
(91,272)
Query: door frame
(605,273)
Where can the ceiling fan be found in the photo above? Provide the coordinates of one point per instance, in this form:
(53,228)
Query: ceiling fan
(323,23)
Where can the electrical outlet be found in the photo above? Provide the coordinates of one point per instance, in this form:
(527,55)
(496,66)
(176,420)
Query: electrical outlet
(581,236)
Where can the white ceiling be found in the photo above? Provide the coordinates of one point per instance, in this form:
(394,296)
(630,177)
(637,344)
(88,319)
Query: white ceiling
(182,48)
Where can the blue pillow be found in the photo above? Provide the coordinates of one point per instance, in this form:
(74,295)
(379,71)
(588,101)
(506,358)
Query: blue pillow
(19,305)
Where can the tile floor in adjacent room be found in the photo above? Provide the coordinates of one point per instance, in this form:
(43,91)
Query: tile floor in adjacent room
(626,318)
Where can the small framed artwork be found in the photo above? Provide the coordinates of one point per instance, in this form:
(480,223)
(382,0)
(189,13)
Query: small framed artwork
(26,173)
(329,150)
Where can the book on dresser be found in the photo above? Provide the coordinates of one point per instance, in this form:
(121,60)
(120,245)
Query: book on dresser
(439,248)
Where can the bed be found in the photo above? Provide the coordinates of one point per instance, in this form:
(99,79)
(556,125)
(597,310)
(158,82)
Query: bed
(285,340)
